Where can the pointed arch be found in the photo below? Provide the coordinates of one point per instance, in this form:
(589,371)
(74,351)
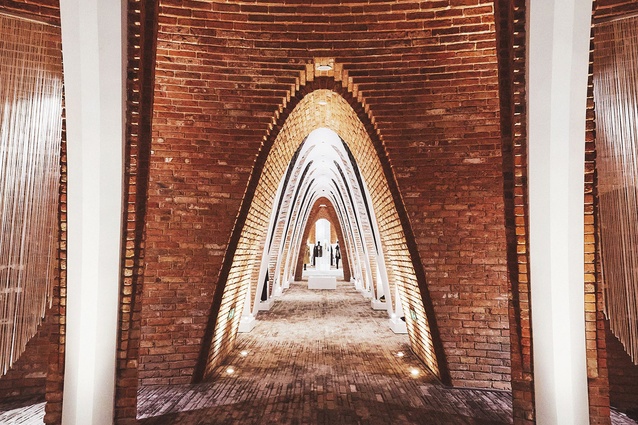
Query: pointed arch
(347,117)
(331,215)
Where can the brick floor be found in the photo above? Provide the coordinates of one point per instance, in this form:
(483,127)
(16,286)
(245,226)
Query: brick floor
(317,357)
(322,357)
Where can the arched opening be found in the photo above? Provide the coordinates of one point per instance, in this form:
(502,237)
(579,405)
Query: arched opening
(323,209)
(357,184)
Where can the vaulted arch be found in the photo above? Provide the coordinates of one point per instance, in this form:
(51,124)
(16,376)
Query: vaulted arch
(322,103)
(330,214)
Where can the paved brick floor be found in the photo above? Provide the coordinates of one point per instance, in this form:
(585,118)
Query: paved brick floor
(322,357)
(317,357)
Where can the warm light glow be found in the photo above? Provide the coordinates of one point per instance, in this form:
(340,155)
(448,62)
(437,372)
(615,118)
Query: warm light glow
(322,102)
(244,353)
(414,372)
(325,67)
(230,370)
(400,354)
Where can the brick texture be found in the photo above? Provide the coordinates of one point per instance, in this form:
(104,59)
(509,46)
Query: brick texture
(27,376)
(511,18)
(40,10)
(427,72)
(424,79)
(142,29)
(623,376)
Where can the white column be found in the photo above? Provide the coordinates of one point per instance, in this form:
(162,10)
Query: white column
(558,56)
(94,47)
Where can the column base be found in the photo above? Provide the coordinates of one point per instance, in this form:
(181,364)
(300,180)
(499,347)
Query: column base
(378,305)
(398,326)
(265,305)
(247,324)
(368,295)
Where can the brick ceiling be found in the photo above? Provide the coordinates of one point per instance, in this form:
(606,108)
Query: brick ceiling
(244,58)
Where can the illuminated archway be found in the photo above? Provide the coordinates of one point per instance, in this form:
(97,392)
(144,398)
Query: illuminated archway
(313,108)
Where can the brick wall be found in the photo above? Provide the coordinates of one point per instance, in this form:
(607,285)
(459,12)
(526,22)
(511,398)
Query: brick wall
(27,376)
(57,337)
(623,376)
(41,10)
(426,72)
(511,18)
(142,32)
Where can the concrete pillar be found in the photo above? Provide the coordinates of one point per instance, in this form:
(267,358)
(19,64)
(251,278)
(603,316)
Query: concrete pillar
(94,54)
(558,56)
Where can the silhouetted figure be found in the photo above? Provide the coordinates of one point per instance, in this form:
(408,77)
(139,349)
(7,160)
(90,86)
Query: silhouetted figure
(337,254)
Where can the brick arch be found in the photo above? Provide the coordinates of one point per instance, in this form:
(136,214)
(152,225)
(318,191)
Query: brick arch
(329,214)
(352,121)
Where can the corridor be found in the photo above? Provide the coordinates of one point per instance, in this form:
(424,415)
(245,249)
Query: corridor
(322,357)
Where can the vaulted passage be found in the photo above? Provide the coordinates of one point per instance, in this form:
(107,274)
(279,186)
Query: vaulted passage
(344,167)
(322,357)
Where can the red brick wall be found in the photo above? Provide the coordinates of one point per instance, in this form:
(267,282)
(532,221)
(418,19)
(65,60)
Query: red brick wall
(55,373)
(142,29)
(428,74)
(41,10)
(623,376)
(27,376)
(449,170)
(511,18)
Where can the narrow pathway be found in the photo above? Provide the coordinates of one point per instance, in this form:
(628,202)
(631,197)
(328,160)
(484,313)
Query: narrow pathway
(322,357)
